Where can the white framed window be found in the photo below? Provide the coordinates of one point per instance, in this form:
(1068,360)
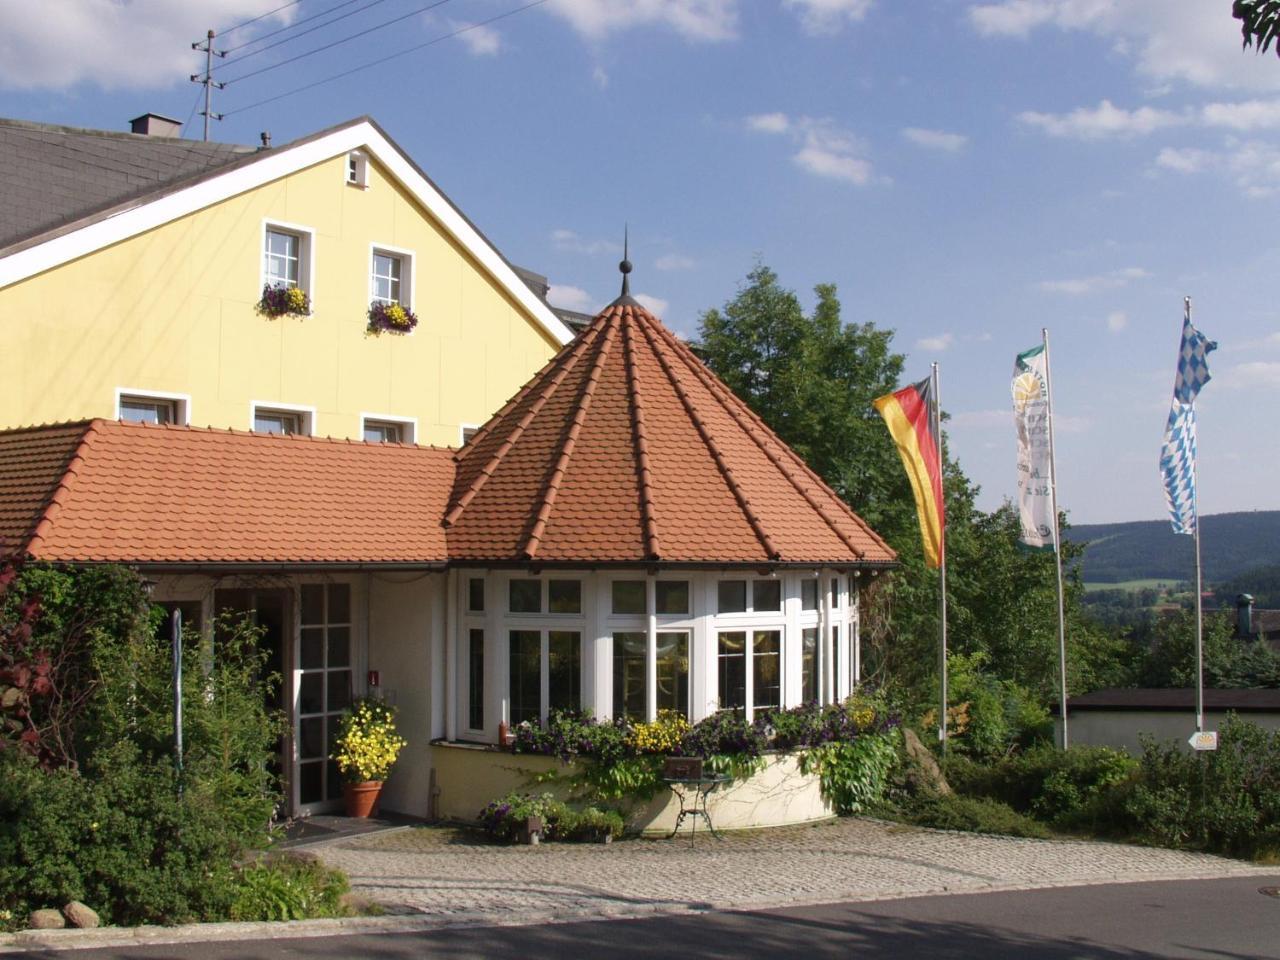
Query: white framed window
(465,432)
(288,252)
(391,275)
(283,418)
(358,170)
(749,670)
(382,428)
(762,595)
(544,672)
(149,406)
(555,596)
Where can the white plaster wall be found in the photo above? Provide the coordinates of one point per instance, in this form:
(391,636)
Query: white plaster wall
(779,795)
(1122,728)
(401,613)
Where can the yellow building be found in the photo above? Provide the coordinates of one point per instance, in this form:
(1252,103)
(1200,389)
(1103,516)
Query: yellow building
(133,269)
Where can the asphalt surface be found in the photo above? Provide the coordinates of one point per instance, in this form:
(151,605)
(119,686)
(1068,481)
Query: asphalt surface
(1222,919)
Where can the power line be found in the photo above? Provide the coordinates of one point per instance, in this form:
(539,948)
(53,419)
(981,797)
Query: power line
(382,60)
(298,23)
(291,3)
(335,43)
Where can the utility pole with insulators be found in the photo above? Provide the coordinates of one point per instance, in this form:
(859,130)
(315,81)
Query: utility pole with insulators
(207,79)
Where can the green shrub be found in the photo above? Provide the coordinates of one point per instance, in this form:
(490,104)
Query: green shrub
(991,718)
(504,818)
(287,888)
(854,774)
(1226,800)
(971,814)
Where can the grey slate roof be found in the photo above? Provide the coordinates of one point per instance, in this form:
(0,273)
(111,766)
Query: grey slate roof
(54,175)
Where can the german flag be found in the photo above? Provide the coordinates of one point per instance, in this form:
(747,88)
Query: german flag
(908,413)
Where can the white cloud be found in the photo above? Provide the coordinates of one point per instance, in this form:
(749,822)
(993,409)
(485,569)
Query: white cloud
(1104,120)
(1192,42)
(1095,283)
(936,344)
(600,76)
(1245,376)
(825,17)
(983,419)
(481,41)
(57,45)
(655,305)
(1252,165)
(699,20)
(1117,320)
(823,149)
(768,123)
(569,242)
(571,298)
(1243,116)
(936,139)
(675,261)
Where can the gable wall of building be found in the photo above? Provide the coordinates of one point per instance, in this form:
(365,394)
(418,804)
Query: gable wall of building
(171,311)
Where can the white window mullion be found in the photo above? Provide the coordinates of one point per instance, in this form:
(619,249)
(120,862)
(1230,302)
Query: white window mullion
(651,651)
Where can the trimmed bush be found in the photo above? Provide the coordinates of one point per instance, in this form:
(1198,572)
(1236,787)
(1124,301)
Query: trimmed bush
(504,818)
(970,814)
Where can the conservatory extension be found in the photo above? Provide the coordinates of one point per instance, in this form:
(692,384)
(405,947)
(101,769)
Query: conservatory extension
(625,536)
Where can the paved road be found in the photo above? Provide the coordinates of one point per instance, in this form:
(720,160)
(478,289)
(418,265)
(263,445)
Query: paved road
(1222,919)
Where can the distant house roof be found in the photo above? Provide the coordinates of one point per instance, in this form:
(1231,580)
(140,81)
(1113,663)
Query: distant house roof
(106,491)
(627,449)
(1118,698)
(54,175)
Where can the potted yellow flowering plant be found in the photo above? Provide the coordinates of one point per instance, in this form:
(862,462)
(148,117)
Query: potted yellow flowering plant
(365,751)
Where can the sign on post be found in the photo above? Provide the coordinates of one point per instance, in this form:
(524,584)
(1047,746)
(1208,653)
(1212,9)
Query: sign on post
(1204,740)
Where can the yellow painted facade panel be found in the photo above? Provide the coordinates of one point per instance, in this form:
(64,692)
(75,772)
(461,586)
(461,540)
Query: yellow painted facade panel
(172,311)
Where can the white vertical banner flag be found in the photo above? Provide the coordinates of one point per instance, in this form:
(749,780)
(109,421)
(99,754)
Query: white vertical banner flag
(1031,416)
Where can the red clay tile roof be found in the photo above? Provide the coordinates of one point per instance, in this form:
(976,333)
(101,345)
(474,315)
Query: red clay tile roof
(626,448)
(132,493)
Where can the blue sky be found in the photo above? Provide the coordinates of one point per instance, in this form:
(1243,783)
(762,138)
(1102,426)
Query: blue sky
(966,173)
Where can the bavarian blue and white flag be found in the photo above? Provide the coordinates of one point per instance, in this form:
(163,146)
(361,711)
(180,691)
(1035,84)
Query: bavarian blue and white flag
(1178,454)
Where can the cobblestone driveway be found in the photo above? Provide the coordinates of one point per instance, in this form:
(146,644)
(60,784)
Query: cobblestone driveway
(449,873)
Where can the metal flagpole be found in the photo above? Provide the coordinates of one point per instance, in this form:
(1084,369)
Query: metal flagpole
(1057,547)
(942,566)
(1195,518)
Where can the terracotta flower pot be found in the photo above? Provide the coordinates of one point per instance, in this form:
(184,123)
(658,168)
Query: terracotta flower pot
(362,798)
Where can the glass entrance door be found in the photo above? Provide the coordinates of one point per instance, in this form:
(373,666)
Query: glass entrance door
(323,681)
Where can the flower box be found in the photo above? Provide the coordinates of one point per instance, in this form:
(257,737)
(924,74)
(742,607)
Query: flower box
(390,318)
(280,301)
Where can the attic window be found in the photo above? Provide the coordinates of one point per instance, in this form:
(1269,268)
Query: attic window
(139,407)
(357,169)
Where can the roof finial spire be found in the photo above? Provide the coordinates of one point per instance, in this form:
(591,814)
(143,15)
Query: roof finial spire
(625,265)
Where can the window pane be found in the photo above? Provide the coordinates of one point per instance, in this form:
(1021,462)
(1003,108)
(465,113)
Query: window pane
(836,659)
(281,258)
(766,594)
(809,664)
(339,646)
(139,410)
(526,596)
(564,596)
(766,673)
(564,668)
(475,680)
(310,782)
(312,654)
(312,603)
(628,597)
(733,596)
(339,603)
(525,675)
(808,594)
(271,421)
(835,591)
(629,674)
(733,668)
(475,594)
(339,690)
(672,596)
(311,694)
(673,671)
(383,431)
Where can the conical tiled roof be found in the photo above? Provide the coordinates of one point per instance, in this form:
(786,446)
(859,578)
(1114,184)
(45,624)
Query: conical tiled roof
(625,448)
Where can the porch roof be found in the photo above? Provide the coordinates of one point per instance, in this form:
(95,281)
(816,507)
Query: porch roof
(627,449)
(106,491)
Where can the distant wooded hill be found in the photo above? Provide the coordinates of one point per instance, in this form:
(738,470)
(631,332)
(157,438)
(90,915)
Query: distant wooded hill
(1231,544)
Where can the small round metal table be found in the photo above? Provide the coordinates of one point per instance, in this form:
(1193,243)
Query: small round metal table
(692,794)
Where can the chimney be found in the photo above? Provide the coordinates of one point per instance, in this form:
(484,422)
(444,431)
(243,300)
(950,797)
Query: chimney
(154,125)
(1244,615)
(266,139)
